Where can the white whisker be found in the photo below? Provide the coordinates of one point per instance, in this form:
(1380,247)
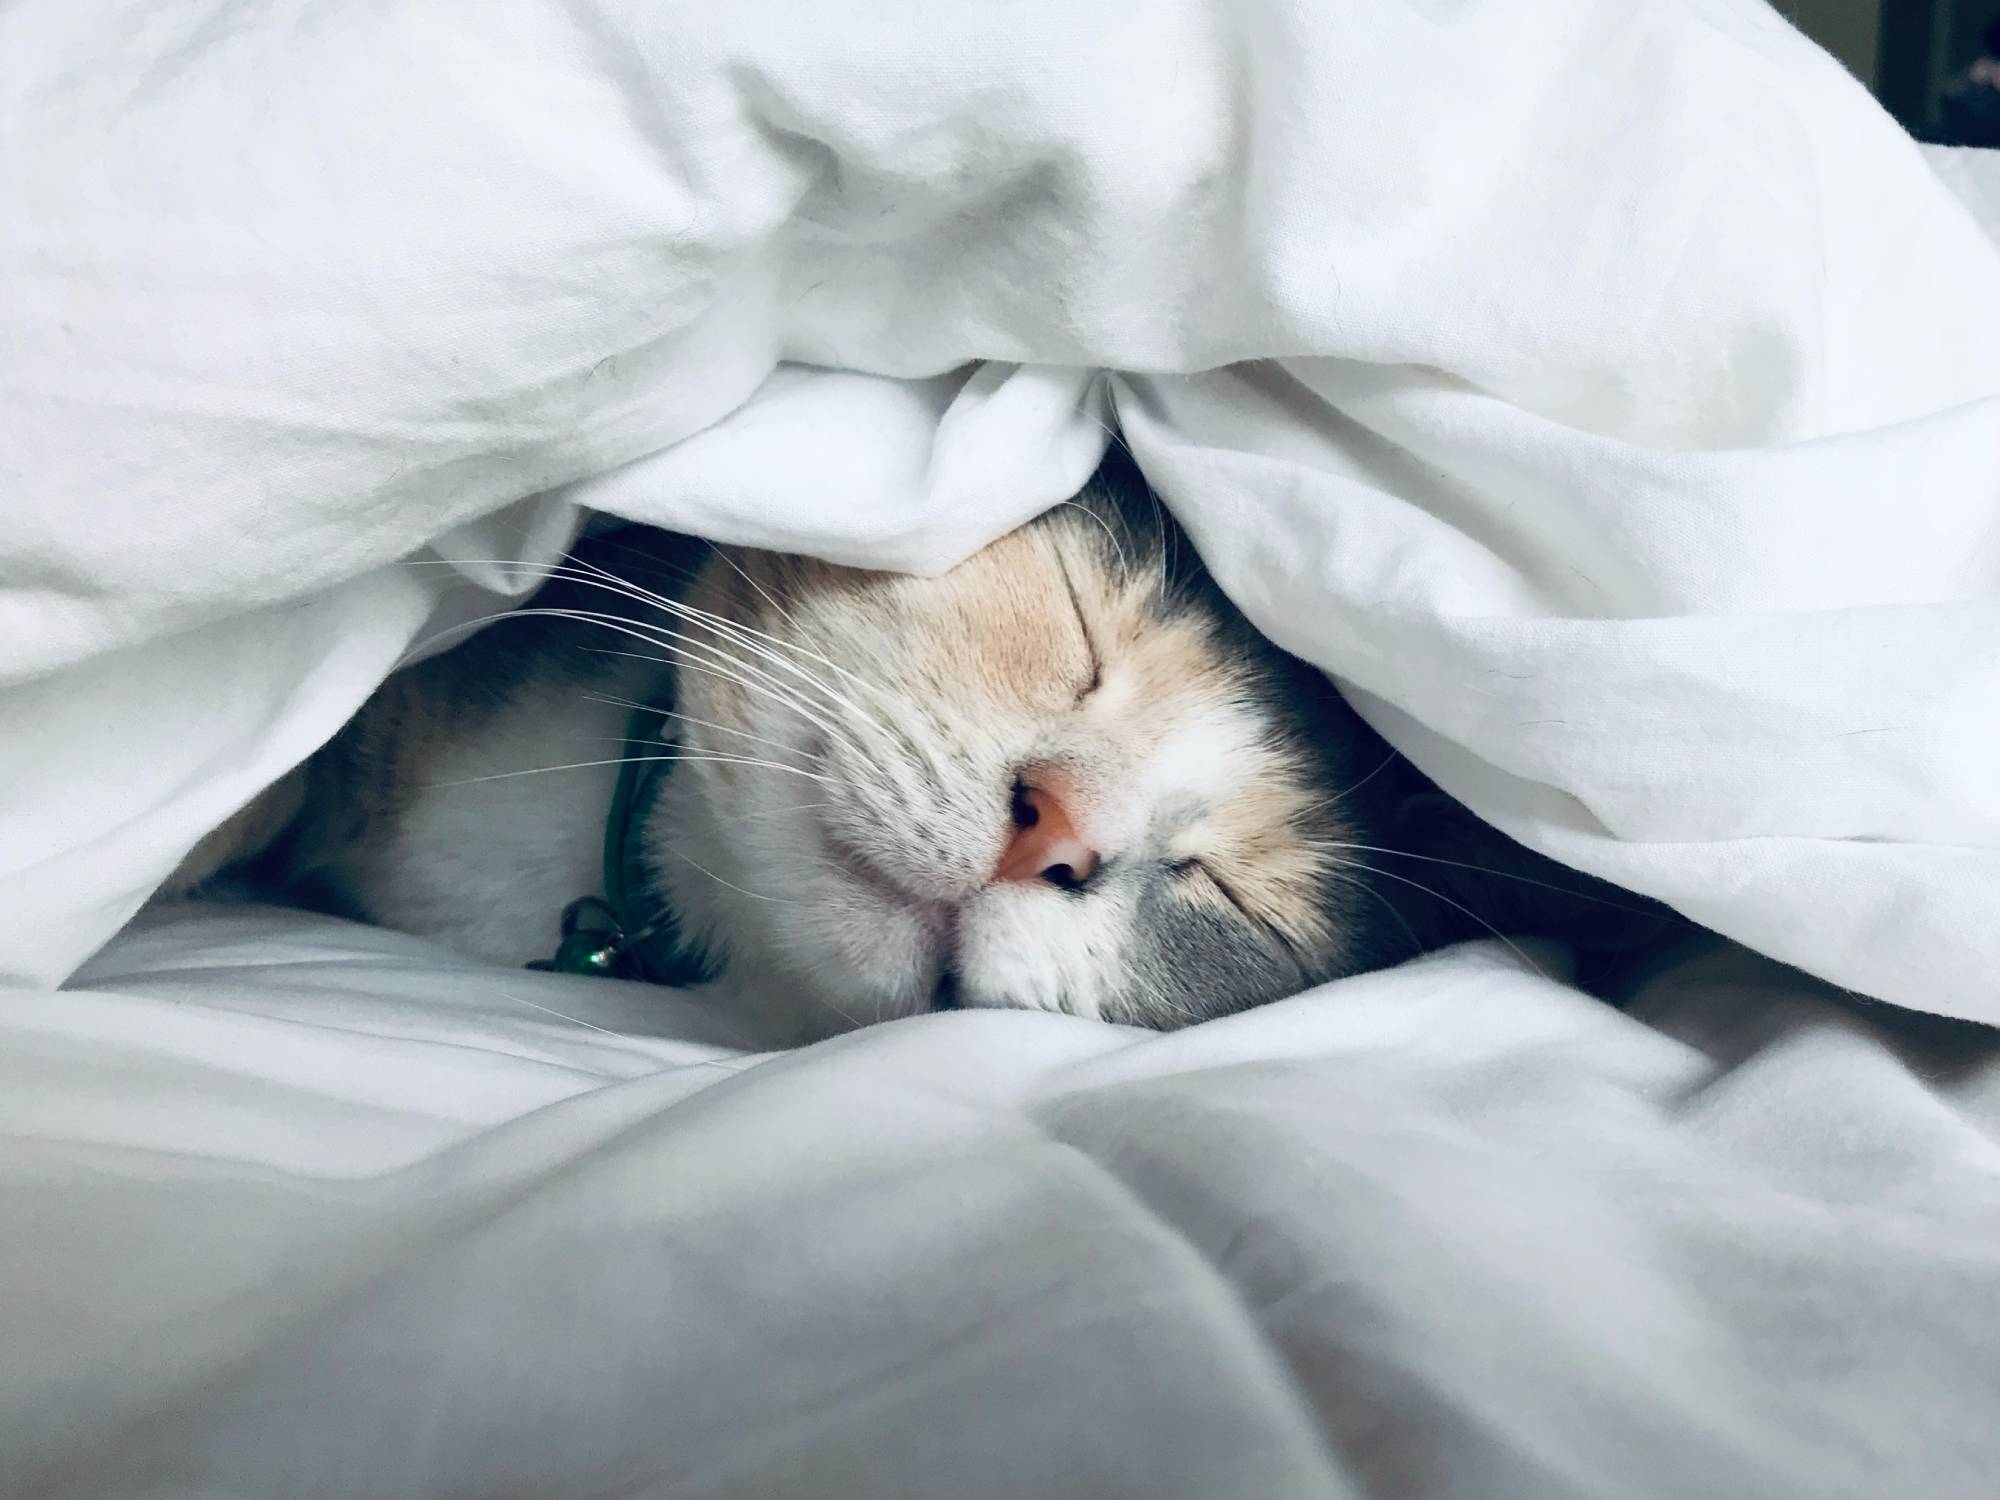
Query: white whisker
(1416,943)
(623,760)
(1518,951)
(623,1036)
(1459,864)
(765,594)
(731,885)
(1124,560)
(613,701)
(1387,761)
(748,637)
(745,635)
(720,663)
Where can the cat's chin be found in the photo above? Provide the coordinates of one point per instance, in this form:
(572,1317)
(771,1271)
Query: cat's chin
(849,947)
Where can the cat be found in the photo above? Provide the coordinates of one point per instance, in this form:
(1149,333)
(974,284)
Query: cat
(1066,775)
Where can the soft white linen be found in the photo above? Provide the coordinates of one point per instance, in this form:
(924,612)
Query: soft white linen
(301,1208)
(1634,452)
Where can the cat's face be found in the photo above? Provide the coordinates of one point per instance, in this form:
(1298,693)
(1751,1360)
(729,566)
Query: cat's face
(1065,776)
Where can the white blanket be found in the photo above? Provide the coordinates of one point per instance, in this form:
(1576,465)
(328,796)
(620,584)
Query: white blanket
(1631,447)
(296,1208)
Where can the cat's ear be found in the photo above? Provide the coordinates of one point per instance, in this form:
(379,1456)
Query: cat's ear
(1483,881)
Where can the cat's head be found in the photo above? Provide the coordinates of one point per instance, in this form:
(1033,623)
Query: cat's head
(1066,775)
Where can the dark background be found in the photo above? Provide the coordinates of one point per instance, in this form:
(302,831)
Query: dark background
(1914,55)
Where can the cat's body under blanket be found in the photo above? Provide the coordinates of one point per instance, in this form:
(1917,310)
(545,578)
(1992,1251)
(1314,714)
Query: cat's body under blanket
(1065,775)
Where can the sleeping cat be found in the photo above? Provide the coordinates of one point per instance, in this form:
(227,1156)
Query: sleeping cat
(1066,775)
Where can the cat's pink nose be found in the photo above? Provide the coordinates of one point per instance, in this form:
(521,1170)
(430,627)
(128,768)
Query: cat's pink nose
(1046,844)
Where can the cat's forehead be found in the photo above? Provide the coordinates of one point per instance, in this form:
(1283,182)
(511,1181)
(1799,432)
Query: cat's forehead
(1076,617)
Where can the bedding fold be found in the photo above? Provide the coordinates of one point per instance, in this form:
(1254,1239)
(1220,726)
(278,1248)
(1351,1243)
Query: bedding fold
(299,1207)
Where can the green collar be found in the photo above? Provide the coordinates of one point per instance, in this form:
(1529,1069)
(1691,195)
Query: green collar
(627,934)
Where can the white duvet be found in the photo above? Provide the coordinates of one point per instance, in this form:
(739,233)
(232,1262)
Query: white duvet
(1609,395)
(296,1208)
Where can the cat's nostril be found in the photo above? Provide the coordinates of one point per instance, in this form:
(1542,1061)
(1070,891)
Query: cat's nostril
(1046,844)
(1026,814)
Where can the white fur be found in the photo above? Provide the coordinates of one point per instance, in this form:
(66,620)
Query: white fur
(487,857)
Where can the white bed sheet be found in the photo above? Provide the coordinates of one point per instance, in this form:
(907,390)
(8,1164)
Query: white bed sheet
(300,1208)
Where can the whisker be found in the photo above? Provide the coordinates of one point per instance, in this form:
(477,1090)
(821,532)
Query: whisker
(590,575)
(1416,943)
(624,1036)
(765,594)
(613,701)
(1518,951)
(419,649)
(674,641)
(586,574)
(1124,559)
(624,760)
(1169,549)
(738,635)
(783,700)
(573,1020)
(688,859)
(1387,761)
(743,633)
(1459,864)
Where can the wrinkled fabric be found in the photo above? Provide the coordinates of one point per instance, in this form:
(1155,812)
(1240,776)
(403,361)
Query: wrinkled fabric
(297,1207)
(1622,425)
